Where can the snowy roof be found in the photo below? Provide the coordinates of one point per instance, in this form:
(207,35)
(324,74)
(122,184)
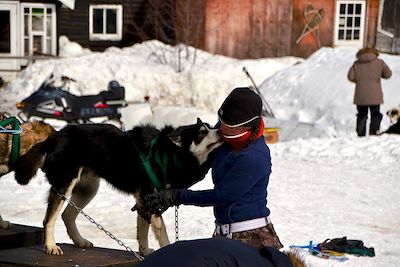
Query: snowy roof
(68,3)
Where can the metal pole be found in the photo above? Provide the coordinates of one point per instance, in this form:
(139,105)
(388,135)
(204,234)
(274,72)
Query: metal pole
(266,106)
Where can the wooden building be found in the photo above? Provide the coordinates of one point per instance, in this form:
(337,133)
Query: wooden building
(31,29)
(241,29)
(274,28)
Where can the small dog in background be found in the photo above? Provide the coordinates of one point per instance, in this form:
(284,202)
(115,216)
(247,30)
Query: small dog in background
(32,133)
(394,116)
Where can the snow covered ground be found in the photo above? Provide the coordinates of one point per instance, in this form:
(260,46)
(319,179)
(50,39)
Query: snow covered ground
(325,183)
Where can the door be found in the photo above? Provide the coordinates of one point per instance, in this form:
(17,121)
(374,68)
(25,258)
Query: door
(350,23)
(8,36)
(38,29)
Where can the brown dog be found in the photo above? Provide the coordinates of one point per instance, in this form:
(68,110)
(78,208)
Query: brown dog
(32,133)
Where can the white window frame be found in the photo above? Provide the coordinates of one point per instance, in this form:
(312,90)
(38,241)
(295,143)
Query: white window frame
(43,32)
(105,36)
(11,64)
(356,43)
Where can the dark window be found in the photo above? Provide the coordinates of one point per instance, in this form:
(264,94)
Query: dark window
(350,8)
(357,21)
(348,34)
(349,22)
(356,35)
(341,34)
(5,31)
(111,21)
(358,9)
(342,9)
(97,20)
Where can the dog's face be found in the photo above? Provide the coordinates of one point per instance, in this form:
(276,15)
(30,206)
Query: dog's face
(199,138)
(393,114)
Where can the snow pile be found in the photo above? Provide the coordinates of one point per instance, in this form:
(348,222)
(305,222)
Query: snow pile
(320,188)
(317,91)
(71,49)
(148,69)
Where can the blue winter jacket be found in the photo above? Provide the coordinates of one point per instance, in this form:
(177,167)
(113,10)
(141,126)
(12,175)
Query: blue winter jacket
(240,184)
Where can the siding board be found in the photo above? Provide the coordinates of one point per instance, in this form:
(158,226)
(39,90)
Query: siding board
(250,29)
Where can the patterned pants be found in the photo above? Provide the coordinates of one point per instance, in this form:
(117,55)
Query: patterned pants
(258,238)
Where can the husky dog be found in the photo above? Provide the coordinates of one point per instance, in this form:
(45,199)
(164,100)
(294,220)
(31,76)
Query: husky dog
(75,157)
(32,133)
(394,116)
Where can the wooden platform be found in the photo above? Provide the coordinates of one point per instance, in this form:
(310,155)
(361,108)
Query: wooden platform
(20,236)
(72,257)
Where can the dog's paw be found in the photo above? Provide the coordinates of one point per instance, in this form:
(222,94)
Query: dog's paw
(4,169)
(146,252)
(53,249)
(83,243)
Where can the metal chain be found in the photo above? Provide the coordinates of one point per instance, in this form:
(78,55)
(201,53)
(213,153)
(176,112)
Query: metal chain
(176,224)
(99,226)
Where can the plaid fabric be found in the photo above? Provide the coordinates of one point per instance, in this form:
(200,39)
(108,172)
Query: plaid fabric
(258,238)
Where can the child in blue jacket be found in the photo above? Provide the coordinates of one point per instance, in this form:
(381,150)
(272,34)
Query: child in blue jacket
(240,174)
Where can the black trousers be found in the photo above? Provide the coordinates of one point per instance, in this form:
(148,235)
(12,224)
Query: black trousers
(362,116)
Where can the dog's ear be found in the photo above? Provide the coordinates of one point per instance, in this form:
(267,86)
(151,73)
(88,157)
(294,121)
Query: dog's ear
(176,137)
(199,121)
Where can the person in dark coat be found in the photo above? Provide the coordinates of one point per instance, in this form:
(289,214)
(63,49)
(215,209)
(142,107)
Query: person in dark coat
(219,252)
(366,73)
(240,173)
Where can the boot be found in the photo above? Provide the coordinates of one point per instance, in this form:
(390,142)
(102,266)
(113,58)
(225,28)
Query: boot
(362,116)
(375,123)
(361,125)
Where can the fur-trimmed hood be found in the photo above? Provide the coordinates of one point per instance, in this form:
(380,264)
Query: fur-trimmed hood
(367,54)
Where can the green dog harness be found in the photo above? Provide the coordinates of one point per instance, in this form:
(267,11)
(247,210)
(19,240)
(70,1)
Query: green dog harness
(15,130)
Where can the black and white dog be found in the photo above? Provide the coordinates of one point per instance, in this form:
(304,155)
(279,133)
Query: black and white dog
(394,116)
(75,157)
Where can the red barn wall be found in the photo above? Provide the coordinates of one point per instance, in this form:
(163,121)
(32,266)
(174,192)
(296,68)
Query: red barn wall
(248,29)
(308,44)
(371,21)
(270,28)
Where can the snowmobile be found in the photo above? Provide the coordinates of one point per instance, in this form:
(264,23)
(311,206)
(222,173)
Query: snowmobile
(53,102)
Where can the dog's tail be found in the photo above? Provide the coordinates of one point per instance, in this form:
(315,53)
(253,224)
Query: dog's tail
(26,166)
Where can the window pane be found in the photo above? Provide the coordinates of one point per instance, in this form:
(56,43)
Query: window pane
(37,44)
(48,48)
(356,35)
(358,9)
(111,21)
(5,31)
(26,25)
(341,34)
(26,10)
(349,22)
(350,8)
(26,43)
(342,21)
(37,19)
(37,11)
(357,21)
(48,22)
(348,34)
(342,9)
(49,11)
(97,20)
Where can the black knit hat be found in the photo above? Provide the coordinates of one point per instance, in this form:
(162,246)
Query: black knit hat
(242,107)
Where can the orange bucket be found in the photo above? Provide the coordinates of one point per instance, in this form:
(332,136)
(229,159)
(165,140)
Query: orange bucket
(271,135)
